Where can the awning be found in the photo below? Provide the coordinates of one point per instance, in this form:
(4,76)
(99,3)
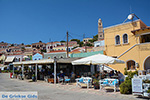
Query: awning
(42,61)
(97,59)
(67,60)
(10,59)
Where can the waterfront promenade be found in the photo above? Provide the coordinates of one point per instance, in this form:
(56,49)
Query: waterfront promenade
(47,91)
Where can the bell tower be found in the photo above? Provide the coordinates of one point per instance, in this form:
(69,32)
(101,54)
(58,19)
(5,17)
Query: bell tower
(100,30)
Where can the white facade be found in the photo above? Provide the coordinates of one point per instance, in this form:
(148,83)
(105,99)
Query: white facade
(99,43)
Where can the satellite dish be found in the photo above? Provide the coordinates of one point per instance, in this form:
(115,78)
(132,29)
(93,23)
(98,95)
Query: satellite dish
(130,17)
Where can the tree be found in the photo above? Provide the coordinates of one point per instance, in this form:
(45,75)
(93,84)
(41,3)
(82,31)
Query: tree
(43,51)
(78,41)
(95,38)
(88,44)
(81,44)
(12,44)
(40,41)
(62,41)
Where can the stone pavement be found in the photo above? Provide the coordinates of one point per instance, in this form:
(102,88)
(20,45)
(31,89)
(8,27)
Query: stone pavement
(48,91)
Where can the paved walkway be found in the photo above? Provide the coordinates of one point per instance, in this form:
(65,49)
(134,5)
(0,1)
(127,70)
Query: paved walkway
(47,91)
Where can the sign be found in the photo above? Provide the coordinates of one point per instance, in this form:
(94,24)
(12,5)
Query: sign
(137,85)
(18,95)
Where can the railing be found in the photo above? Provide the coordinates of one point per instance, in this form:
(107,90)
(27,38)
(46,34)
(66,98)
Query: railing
(141,45)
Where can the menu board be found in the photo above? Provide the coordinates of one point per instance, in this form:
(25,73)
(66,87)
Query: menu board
(137,85)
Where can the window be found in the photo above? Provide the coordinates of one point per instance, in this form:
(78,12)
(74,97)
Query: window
(125,38)
(145,38)
(131,65)
(61,57)
(55,56)
(117,39)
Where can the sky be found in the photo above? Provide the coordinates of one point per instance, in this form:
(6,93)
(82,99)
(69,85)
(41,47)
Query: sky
(31,21)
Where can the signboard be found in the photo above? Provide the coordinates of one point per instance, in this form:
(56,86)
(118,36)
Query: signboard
(137,86)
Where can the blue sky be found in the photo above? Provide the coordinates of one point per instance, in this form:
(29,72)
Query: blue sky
(28,21)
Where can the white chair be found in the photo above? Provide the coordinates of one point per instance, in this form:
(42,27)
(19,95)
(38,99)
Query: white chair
(109,82)
(60,79)
(66,79)
(84,80)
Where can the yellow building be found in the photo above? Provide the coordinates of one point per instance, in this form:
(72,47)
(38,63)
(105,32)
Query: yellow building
(59,48)
(129,42)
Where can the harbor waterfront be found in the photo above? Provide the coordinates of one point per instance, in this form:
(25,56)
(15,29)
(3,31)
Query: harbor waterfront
(74,50)
(48,91)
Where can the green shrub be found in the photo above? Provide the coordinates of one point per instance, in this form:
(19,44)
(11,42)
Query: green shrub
(126,86)
(125,72)
(148,91)
(11,71)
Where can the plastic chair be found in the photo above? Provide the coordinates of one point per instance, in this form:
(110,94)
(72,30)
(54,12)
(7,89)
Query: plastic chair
(60,79)
(66,79)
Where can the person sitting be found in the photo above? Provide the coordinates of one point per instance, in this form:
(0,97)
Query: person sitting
(111,74)
(62,74)
(78,75)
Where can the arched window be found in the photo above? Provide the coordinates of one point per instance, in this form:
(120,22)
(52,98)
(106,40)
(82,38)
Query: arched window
(61,56)
(117,39)
(125,38)
(131,65)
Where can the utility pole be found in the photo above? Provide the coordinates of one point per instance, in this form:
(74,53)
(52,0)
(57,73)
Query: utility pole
(85,42)
(67,45)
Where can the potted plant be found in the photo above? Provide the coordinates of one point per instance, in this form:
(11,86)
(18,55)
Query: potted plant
(33,78)
(96,84)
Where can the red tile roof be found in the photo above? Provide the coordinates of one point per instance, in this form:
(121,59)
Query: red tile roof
(57,51)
